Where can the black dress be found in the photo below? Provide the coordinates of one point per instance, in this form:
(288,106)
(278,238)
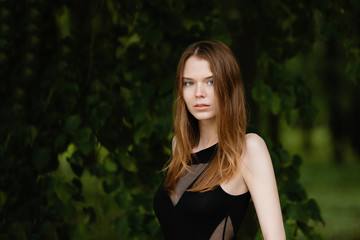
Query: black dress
(193,215)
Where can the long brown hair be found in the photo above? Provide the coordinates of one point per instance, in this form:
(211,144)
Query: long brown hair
(230,118)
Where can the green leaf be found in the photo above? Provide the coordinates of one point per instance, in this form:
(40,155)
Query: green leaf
(306,229)
(76,163)
(292,117)
(41,159)
(122,199)
(110,165)
(127,162)
(93,98)
(33,132)
(46,228)
(262,93)
(275,104)
(127,41)
(152,227)
(309,113)
(113,79)
(297,160)
(122,227)
(142,132)
(76,233)
(102,111)
(290,230)
(63,19)
(126,96)
(285,158)
(84,134)
(83,140)
(293,190)
(91,213)
(297,212)
(314,210)
(113,183)
(59,143)
(72,123)
(102,153)
(107,203)
(63,191)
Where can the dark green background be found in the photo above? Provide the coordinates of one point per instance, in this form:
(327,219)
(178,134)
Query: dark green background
(86,96)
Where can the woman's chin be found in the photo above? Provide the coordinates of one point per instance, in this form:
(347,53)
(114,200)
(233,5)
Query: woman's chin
(204,117)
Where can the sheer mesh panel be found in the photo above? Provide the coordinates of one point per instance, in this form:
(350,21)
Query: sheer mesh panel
(186,180)
(224,231)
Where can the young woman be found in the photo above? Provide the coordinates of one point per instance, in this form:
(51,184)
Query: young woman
(215,166)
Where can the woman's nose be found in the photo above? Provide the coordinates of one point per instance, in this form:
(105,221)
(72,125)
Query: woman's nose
(199,91)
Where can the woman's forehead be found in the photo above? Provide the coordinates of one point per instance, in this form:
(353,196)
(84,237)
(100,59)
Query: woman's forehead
(197,68)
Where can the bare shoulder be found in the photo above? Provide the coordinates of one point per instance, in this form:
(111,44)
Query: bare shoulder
(254,140)
(254,144)
(256,153)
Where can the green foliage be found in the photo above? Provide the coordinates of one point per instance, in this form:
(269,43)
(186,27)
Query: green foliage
(298,210)
(86,107)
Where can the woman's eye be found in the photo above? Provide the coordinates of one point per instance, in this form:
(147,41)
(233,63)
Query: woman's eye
(189,83)
(211,82)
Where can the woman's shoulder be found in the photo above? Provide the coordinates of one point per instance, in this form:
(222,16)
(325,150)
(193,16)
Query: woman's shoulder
(254,142)
(256,152)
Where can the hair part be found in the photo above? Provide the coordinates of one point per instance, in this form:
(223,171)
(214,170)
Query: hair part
(230,119)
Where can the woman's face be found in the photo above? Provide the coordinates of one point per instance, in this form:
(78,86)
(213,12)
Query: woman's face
(198,89)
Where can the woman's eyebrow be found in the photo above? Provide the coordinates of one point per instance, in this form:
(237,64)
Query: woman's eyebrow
(188,78)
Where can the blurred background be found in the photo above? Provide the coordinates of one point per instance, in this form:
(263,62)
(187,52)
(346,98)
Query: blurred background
(86,110)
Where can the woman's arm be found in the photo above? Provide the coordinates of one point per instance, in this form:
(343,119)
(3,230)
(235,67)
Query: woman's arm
(259,177)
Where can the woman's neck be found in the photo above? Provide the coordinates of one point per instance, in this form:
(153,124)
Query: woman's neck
(208,134)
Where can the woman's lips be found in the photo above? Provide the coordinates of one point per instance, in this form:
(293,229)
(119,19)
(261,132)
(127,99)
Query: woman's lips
(201,107)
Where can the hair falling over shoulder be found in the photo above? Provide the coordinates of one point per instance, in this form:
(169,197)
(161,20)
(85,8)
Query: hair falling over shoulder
(230,118)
